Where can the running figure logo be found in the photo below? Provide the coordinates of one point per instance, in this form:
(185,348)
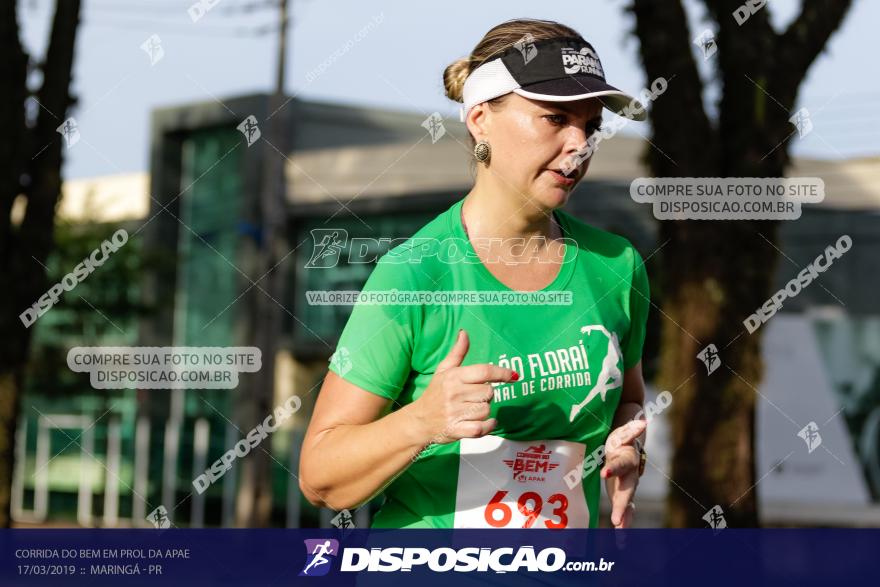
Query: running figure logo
(250,129)
(710,357)
(609,377)
(329,244)
(321,552)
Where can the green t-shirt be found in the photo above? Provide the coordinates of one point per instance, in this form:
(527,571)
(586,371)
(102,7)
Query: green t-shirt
(570,358)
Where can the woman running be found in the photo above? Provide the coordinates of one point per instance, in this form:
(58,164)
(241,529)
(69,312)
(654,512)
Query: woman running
(507,381)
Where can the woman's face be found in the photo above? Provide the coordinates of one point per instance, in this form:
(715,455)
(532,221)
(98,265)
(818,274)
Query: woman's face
(531,137)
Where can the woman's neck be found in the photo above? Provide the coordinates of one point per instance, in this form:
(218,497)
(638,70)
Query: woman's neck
(485,217)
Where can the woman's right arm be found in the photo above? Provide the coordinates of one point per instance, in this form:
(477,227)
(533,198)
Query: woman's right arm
(350,449)
(353,447)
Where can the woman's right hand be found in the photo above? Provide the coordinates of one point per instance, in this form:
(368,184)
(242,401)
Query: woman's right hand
(456,403)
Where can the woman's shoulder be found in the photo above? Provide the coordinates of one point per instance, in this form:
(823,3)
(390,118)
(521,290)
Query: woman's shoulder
(415,260)
(437,229)
(597,241)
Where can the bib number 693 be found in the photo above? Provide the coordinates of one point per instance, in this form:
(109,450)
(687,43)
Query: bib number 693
(498,514)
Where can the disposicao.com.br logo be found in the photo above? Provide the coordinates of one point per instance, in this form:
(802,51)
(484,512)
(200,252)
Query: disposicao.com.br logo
(322,552)
(320,555)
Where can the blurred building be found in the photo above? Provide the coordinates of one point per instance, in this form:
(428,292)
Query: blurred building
(382,174)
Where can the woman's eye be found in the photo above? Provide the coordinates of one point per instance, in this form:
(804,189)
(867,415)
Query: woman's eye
(560,119)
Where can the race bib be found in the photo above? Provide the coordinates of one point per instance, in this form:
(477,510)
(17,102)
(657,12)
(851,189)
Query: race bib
(519,484)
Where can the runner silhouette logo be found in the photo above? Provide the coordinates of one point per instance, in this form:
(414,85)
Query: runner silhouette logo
(320,553)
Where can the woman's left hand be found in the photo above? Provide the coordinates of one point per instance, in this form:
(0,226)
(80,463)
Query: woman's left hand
(621,471)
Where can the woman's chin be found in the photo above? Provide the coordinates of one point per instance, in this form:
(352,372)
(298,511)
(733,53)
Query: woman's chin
(549,196)
(555,197)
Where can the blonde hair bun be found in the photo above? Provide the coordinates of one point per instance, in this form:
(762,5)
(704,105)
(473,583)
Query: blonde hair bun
(454,76)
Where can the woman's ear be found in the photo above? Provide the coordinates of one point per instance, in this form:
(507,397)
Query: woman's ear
(477,121)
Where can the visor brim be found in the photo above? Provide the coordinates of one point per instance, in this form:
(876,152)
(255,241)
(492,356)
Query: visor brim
(571,88)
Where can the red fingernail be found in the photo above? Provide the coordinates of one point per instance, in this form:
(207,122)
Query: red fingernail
(515,376)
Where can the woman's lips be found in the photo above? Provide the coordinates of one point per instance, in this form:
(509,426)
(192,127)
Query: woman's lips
(567,181)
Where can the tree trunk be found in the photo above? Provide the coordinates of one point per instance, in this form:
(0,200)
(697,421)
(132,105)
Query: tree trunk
(32,156)
(716,273)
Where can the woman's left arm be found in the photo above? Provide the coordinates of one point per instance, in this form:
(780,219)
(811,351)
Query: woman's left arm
(632,398)
(621,470)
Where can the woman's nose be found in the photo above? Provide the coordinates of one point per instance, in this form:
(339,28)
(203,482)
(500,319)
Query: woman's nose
(576,139)
(577,148)
(576,143)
